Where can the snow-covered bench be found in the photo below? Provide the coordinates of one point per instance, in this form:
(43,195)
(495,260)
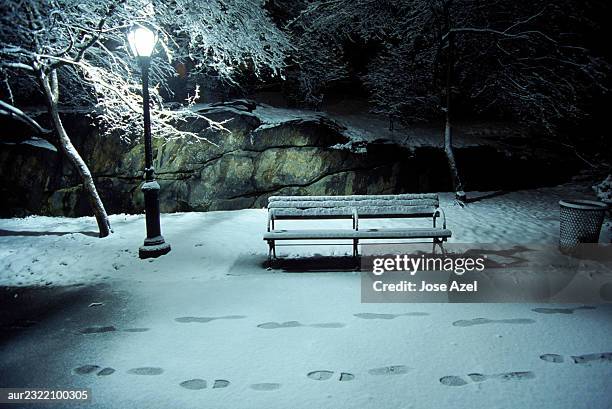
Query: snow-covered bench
(355,207)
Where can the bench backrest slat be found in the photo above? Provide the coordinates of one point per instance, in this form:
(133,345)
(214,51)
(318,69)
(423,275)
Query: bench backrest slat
(367,206)
(307,204)
(406,196)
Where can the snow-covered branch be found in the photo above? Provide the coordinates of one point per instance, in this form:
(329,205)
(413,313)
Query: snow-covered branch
(523,58)
(84,44)
(14,112)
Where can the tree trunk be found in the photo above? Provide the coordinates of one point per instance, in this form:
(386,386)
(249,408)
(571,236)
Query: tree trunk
(450,157)
(50,87)
(448,130)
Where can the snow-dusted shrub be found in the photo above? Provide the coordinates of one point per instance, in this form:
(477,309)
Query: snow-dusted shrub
(604,190)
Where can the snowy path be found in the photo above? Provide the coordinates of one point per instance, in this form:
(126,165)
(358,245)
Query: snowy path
(209,314)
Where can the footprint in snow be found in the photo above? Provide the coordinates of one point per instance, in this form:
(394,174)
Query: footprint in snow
(85,369)
(276,325)
(375,316)
(294,324)
(578,359)
(197,384)
(106,371)
(562,310)
(552,358)
(136,329)
(452,380)
(98,329)
(326,375)
(110,328)
(203,320)
(482,321)
(89,369)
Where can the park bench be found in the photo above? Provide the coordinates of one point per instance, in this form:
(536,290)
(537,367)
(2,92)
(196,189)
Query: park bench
(355,207)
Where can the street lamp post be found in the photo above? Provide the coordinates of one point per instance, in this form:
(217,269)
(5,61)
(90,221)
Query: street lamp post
(142,41)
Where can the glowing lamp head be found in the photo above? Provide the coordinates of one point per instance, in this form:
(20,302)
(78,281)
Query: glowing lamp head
(142,41)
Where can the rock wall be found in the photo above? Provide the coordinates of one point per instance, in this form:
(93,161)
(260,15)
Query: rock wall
(243,167)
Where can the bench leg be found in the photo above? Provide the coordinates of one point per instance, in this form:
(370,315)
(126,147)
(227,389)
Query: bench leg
(355,247)
(438,242)
(271,250)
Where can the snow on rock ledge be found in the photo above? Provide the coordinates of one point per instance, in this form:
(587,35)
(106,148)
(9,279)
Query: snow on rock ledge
(269,151)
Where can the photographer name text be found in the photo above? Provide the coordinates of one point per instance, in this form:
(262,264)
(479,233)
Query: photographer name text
(408,286)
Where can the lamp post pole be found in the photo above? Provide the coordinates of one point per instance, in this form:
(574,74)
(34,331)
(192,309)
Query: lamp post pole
(154,244)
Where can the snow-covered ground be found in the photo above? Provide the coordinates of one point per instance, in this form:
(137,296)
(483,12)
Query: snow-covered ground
(42,250)
(210,313)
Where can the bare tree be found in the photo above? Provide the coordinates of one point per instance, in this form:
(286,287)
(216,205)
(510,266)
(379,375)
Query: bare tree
(70,53)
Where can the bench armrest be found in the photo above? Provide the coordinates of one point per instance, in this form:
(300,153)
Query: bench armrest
(439,213)
(270,219)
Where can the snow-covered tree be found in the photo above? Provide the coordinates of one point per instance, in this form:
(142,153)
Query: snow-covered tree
(523,58)
(74,53)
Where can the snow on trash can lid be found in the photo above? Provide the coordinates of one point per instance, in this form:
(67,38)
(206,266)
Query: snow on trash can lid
(583,204)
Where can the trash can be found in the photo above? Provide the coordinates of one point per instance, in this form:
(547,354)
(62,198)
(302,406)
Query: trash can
(580,222)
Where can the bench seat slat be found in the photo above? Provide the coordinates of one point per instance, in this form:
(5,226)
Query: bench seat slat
(410,233)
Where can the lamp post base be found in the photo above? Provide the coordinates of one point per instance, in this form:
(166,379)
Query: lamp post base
(153,248)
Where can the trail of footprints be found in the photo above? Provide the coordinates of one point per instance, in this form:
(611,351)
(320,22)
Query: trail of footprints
(265,325)
(374,316)
(365,316)
(483,321)
(109,328)
(587,359)
(452,380)
(579,359)
(204,320)
(90,369)
(561,310)
(199,384)
(294,324)
(327,375)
